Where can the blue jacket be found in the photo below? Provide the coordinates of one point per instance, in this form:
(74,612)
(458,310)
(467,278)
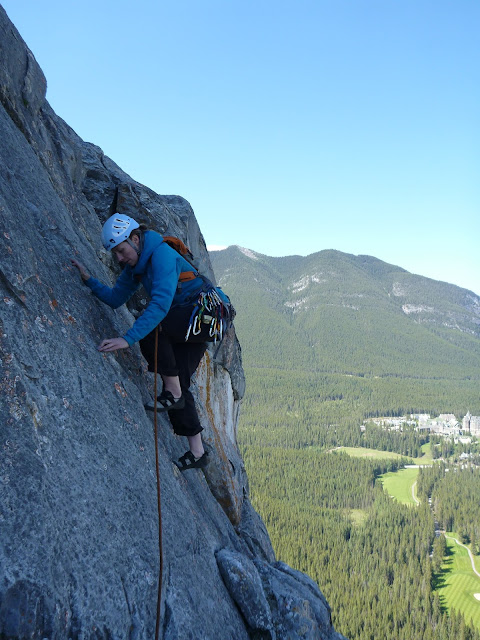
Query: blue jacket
(158,269)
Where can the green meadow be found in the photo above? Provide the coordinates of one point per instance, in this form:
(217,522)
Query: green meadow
(362,452)
(358,516)
(398,484)
(457,583)
(427,458)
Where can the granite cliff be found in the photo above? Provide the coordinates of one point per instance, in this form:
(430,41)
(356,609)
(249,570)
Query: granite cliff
(78,515)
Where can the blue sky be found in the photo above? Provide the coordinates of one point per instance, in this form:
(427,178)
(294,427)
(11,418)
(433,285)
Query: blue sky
(290,127)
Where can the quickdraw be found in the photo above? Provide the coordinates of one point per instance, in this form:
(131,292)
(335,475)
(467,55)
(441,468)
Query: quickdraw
(209,309)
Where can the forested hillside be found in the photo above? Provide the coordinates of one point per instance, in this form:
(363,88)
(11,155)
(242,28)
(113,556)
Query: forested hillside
(371,337)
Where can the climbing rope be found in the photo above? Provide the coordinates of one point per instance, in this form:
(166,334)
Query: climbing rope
(159,504)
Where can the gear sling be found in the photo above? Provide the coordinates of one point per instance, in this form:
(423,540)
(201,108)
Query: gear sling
(213,306)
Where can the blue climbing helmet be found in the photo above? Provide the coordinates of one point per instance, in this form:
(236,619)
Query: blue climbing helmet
(117,229)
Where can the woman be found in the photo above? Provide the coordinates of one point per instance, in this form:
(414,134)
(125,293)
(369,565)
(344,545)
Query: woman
(177,296)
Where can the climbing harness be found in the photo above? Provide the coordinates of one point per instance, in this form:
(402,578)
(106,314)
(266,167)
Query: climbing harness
(159,504)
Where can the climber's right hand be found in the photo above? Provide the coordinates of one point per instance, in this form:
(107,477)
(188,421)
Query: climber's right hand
(83,272)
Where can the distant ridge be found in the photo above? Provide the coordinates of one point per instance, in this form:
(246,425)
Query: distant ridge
(338,312)
(366,257)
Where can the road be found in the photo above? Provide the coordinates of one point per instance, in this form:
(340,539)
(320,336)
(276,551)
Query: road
(415,499)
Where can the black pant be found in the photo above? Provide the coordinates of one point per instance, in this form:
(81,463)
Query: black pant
(177,357)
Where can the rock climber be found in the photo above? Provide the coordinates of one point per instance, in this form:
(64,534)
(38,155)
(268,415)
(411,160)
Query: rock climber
(183,332)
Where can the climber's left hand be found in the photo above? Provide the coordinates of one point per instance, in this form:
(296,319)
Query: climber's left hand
(112,344)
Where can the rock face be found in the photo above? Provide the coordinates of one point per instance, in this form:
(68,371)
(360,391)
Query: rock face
(79,551)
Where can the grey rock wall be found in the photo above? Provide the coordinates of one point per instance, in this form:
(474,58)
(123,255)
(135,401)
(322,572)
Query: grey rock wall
(78,516)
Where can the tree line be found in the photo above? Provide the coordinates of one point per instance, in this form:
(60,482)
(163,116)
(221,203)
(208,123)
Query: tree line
(454,494)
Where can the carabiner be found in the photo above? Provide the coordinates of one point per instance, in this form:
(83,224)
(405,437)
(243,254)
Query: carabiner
(197,325)
(213,328)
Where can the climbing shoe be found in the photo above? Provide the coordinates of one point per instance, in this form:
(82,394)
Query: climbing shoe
(166,402)
(188,461)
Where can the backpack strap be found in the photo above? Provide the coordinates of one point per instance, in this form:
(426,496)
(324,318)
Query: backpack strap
(185,276)
(184,251)
(181,248)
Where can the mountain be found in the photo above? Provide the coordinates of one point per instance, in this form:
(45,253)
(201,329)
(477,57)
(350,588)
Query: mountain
(338,314)
(79,555)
